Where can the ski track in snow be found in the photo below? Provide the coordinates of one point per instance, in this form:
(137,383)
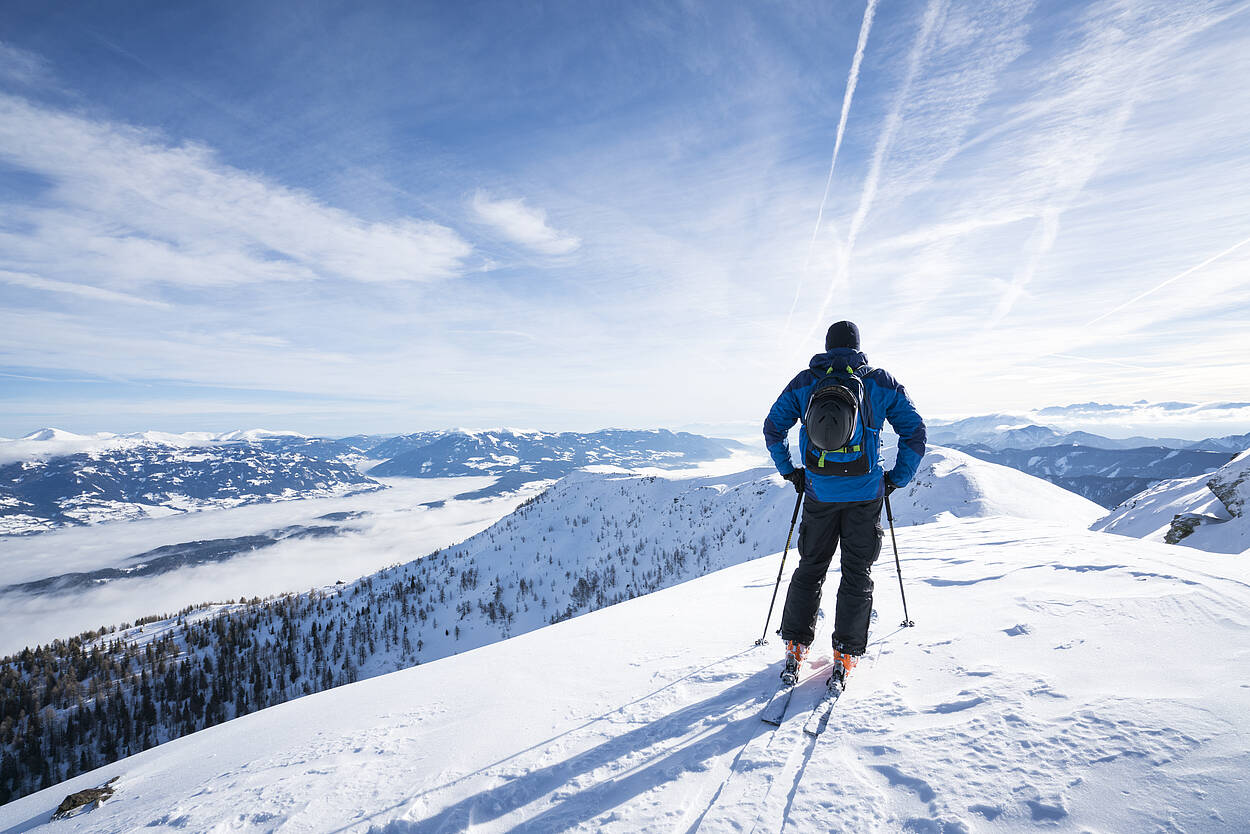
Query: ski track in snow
(1033,693)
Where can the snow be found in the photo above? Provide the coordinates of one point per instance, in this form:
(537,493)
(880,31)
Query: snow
(1211,507)
(1023,698)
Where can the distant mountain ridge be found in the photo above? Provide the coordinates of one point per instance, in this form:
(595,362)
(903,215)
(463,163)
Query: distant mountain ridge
(542,454)
(145,481)
(1044,427)
(1105,476)
(1001,431)
(52,478)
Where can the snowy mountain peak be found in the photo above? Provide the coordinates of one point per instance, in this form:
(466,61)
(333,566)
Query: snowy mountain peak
(1207,512)
(57,435)
(46,443)
(952,483)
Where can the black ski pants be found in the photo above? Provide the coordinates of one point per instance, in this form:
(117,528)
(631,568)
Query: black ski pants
(856,525)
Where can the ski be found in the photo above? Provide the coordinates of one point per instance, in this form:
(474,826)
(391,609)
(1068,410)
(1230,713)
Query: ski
(775,710)
(823,709)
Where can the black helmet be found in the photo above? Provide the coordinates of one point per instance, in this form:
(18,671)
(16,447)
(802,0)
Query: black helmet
(831,417)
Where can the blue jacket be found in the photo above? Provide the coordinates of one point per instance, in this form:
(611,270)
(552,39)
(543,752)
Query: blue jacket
(887,400)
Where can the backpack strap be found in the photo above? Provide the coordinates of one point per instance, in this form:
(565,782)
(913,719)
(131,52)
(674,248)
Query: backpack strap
(862,372)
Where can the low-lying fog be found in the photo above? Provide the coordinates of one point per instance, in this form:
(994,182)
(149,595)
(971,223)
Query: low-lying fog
(397,528)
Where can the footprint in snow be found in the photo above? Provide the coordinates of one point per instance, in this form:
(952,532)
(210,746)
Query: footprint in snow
(899,779)
(879,749)
(958,706)
(1016,630)
(990,812)
(1046,812)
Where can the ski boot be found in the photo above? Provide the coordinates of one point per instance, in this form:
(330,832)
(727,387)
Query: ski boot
(843,664)
(795,654)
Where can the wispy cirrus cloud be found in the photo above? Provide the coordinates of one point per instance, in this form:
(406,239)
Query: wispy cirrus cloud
(34,282)
(128,208)
(522,223)
(23,67)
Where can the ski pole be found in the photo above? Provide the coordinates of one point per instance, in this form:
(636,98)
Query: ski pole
(908,622)
(793,519)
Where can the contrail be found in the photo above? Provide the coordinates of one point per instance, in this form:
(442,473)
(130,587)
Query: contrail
(1096,361)
(852,79)
(1171,280)
(927,28)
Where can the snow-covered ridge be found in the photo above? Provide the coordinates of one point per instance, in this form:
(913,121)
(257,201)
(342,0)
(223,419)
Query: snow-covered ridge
(1018,702)
(1207,512)
(952,483)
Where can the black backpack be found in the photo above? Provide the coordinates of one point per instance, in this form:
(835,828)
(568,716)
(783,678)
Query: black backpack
(835,408)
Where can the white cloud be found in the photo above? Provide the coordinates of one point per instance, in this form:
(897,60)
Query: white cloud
(523,224)
(34,282)
(128,208)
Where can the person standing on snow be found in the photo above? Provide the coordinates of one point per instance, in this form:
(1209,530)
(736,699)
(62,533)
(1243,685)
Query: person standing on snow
(843,489)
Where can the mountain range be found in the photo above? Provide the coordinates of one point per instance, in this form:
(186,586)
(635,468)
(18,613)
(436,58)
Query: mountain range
(541,454)
(140,481)
(1005,431)
(1105,476)
(52,478)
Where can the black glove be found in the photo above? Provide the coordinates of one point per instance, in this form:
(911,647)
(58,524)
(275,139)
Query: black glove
(889,487)
(799,478)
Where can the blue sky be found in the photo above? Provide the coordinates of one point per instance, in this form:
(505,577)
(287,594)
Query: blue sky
(341,217)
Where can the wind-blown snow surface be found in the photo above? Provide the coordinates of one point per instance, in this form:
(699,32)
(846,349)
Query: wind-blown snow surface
(1029,695)
(1208,512)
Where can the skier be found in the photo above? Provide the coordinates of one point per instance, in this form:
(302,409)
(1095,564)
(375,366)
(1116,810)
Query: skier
(843,490)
